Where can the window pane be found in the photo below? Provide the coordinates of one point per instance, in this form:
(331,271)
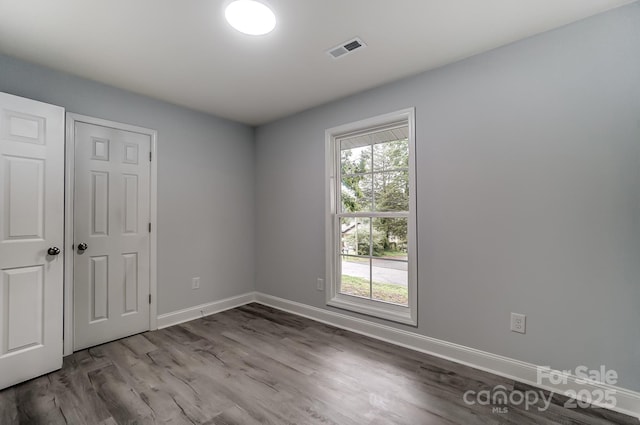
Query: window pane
(390,238)
(391,191)
(356,276)
(391,155)
(355,236)
(390,281)
(355,160)
(355,193)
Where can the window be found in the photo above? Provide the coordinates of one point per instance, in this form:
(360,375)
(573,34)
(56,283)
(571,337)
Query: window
(371,217)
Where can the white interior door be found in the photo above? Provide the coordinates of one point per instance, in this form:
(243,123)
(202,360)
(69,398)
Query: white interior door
(111,234)
(31,222)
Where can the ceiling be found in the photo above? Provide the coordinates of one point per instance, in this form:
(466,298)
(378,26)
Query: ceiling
(184,52)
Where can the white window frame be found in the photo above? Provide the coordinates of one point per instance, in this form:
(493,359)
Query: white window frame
(397,313)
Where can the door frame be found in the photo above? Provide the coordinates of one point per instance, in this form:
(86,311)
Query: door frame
(71,120)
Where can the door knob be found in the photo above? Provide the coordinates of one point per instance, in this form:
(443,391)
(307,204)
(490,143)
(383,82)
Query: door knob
(54,250)
(82,246)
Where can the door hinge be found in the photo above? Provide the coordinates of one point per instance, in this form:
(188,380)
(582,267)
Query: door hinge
(149,298)
(149,227)
(149,156)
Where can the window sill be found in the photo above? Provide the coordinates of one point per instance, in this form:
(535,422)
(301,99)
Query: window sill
(381,310)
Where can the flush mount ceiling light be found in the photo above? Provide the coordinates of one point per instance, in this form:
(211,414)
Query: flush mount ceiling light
(250,17)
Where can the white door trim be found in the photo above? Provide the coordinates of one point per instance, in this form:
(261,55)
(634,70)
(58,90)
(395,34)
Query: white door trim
(71,120)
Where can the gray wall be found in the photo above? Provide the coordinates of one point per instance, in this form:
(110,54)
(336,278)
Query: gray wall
(205,182)
(528,167)
(528,193)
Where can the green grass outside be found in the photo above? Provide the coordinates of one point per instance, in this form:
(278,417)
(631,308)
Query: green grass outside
(352,258)
(381,291)
(357,259)
(393,254)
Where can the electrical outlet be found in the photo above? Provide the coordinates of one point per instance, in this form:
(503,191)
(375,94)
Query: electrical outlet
(518,323)
(320,284)
(195,283)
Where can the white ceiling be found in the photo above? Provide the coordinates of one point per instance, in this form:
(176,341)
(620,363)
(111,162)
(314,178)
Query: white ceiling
(184,52)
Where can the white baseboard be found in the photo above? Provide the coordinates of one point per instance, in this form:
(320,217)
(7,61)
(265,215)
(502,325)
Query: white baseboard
(627,401)
(191,313)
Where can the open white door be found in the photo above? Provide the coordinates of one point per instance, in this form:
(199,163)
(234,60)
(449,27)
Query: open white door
(31,238)
(111,269)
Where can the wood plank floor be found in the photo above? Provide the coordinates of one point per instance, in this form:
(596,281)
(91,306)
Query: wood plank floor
(256,365)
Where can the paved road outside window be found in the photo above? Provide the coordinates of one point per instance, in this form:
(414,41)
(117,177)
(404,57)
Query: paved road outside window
(393,272)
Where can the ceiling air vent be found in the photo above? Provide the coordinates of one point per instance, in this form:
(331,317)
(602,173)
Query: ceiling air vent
(346,48)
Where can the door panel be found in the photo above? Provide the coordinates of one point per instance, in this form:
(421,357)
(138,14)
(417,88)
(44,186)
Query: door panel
(130,283)
(99,203)
(31,221)
(24,289)
(99,296)
(24,192)
(111,212)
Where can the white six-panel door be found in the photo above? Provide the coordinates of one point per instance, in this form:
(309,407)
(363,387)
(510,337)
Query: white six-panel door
(31,222)
(111,216)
